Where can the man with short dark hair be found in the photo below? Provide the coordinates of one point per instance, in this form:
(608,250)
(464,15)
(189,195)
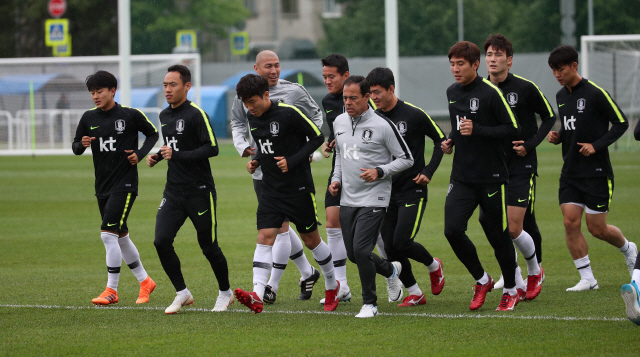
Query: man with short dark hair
(586,181)
(369,150)
(190,191)
(525,99)
(481,120)
(287,245)
(115,156)
(281,132)
(409,188)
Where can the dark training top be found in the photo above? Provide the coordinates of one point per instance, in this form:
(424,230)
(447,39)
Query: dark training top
(480,157)
(526,99)
(586,112)
(282,130)
(414,124)
(115,131)
(187,131)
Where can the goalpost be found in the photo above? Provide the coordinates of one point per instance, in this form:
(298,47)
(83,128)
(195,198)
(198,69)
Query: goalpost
(43,99)
(613,63)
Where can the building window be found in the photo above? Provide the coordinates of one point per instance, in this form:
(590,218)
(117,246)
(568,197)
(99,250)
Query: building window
(289,7)
(330,9)
(252,7)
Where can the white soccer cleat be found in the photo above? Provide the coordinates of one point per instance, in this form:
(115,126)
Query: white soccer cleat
(631,261)
(343,296)
(222,302)
(585,285)
(180,301)
(394,285)
(367,310)
(500,283)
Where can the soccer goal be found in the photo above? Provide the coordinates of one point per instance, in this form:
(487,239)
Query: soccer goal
(613,63)
(43,99)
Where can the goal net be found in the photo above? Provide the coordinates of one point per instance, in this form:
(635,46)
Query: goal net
(613,63)
(43,99)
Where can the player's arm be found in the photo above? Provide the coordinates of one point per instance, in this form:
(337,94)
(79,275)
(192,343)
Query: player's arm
(309,108)
(399,149)
(206,136)
(607,108)
(543,108)
(336,179)
(434,132)
(82,140)
(507,127)
(311,131)
(150,132)
(239,129)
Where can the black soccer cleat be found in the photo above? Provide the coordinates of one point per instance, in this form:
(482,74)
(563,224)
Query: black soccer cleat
(269,295)
(306,286)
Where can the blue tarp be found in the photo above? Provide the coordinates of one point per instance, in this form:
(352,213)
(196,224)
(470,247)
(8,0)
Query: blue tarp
(142,97)
(19,83)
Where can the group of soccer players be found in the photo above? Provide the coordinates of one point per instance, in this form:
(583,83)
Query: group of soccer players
(377,188)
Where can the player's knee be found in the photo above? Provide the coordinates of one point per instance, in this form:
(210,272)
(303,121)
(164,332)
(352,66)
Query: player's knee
(598,231)
(162,243)
(453,233)
(571,223)
(514,231)
(361,255)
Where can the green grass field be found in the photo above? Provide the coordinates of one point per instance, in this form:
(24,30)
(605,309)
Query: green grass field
(52,264)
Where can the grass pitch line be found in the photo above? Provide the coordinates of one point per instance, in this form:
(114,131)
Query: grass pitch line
(344,313)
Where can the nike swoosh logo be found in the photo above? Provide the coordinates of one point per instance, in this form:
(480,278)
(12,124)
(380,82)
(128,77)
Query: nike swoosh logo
(406,205)
(309,227)
(451,102)
(491,194)
(252,129)
(519,200)
(163,124)
(329,111)
(111,224)
(560,105)
(201,213)
(374,211)
(94,127)
(600,206)
(340,133)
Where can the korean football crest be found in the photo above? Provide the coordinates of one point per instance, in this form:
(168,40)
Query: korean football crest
(274,128)
(582,103)
(512,98)
(120,126)
(180,126)
(366,135)
(474,104)
(402,127)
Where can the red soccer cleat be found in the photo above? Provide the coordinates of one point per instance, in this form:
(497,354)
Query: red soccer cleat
(534,285)
(508,302)
(480,294)
(331,298)
(414,300)
(437,279)
(250,300)
(522,295)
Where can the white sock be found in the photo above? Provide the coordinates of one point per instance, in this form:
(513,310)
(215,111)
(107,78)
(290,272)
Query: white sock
(131,257)
(262,263)
(511,291)
(525,244)
(380,246)
(227,293)
(484,279)
(414,290)
(322,255)
(584,268)
(628,253)
(520,284)
(184,292)
(433,266)
(280,252)
(636,276)
(114,258)
(297,255)
(339,253)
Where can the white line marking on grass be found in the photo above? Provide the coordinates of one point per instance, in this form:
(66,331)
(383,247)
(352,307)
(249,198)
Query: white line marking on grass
(303,312)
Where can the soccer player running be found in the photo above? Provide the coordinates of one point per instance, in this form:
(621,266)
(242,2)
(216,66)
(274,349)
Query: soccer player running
(285,138)
(190,191)
(525,99)
(409,188)
(481,120)
(369,151)
(111,130)
(586,181)
(287,245)
(630,292)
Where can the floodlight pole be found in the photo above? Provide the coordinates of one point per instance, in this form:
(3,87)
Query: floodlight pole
(124,51)
(460,21)
(391,40)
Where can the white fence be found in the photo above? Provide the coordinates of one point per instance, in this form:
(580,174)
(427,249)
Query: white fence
(47,131)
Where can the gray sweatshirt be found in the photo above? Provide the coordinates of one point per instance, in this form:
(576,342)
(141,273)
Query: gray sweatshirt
(283,92)
(367,142)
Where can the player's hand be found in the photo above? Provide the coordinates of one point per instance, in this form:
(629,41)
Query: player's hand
(133,158)
(421,180)
(334,187)
(447,146)
(249,151)
(466,127)
(152,160)
(587,149)
(252,166)
(282,163)
(166,152)
(518,148)
(326,150)
(553,137)
(86,141)
(369,175)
